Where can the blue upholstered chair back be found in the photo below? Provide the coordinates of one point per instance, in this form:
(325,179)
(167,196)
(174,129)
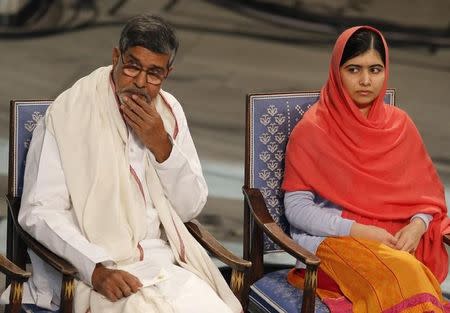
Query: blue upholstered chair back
(25,116)
(272,118)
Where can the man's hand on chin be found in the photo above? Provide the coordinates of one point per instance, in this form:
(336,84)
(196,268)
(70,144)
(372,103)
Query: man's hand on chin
(146,122)
(114,284)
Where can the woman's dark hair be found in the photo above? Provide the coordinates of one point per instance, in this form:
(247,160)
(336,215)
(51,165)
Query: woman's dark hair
(150,32)
(361,41)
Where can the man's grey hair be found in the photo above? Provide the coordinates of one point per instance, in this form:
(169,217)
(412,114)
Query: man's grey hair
(150,32)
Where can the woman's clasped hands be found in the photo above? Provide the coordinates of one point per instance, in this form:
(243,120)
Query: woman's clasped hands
(406,239)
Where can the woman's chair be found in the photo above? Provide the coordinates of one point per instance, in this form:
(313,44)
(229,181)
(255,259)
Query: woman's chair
(24,115)
(270,119)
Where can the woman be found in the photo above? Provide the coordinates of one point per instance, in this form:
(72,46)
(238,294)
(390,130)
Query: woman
(362,192)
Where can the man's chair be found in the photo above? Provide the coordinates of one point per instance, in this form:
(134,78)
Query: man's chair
(17,277)
(24,115)
(270,118)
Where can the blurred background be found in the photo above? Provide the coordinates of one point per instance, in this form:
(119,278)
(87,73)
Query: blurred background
(228,49)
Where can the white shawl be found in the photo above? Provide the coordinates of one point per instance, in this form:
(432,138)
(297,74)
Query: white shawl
(92,140)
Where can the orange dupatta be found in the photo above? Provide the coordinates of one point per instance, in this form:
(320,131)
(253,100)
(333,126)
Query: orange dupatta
(376,168)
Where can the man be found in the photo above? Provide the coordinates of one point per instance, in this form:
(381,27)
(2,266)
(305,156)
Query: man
(112,173)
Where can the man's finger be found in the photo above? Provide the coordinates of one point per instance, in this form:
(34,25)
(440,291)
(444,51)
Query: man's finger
(118,293)
(130,122)
(121,288)
(148,107)
(136,116)
(112,294)
(126,290)
(137,105)
(133,282)
(142,103)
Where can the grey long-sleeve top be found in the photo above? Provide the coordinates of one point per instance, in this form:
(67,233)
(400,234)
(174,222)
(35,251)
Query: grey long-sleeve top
(313,218)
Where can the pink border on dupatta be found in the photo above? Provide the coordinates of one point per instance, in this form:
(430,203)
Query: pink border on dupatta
(418,299)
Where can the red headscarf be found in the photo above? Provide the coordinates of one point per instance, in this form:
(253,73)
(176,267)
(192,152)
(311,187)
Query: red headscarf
(376,168)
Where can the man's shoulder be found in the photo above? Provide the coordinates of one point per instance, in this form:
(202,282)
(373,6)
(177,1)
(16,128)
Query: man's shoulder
(83,98)
(90,81)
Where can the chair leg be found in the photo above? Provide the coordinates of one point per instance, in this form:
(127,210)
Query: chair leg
(239,285)
(246,235)
(67,293)
(19,251)
(9,243)
(256,252)
(309,293)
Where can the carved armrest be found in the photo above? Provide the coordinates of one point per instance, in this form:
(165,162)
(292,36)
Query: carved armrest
(17,277)
(61,265)
(239,267)
(12,270)
(43,252)
(265,221)
(215,247)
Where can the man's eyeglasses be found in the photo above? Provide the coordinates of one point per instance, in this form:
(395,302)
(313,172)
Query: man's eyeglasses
(133,70)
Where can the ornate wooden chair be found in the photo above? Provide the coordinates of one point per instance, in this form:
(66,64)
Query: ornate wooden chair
(270,119)
(23,119)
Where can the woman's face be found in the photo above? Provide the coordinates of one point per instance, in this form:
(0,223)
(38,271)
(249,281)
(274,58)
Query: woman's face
(363,78)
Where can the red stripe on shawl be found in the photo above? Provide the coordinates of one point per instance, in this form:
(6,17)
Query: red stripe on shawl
(133,172)
(377,168)
(138,182)
(141,252)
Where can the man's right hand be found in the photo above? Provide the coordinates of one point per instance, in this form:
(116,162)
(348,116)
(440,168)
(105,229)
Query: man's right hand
(114,284)
(371,232)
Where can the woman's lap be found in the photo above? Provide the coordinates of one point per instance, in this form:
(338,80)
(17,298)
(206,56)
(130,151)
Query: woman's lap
(375,277)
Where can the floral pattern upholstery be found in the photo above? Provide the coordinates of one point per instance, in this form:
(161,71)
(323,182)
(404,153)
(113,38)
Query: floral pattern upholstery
(263,297)
(272,119)
(26,116)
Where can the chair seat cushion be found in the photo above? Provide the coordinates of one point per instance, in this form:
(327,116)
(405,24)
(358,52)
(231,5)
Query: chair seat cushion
(273,293)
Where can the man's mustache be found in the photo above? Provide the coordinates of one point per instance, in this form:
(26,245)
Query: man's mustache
(134,91)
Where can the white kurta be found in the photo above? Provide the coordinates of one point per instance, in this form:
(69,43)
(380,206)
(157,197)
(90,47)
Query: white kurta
(47,215)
